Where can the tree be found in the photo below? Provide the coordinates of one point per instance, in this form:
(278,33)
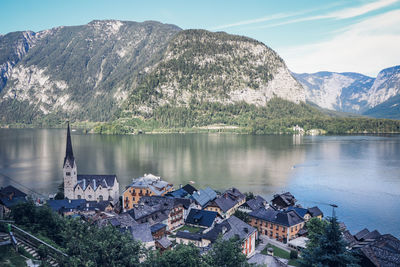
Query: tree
(42,252)
(244,216)
(181,256)
(227,253)
(329,250)
(60,193)
(315,228)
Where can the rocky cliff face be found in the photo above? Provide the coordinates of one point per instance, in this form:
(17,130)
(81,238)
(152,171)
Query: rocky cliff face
(90,72)
(215,67)
(352,92)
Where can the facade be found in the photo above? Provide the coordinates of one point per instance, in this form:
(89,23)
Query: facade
(148,185)
(89,187)
(280,225)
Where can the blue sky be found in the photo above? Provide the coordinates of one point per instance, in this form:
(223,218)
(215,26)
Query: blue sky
(359,36)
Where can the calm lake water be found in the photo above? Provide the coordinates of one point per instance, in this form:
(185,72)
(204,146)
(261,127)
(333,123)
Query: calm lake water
(361,174)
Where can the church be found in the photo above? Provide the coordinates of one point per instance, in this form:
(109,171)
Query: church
(92,187)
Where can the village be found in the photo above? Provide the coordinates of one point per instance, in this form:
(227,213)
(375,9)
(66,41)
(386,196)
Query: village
(161,215)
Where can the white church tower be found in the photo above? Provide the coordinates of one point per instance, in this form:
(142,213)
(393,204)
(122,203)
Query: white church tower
(69,169)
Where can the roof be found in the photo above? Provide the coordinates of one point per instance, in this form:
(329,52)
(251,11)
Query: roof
(372,235)
(349,238)
(299,242)
(180,193)
(189,188)
(157,227)
(235,194)
(230,228)
(189,235)
(256,203)
(95,180)
(186,202)
(69,154)
(203,218)
(58,205)
(286,197)
(154,183)
(11,191)
(100,205)
(361,234)
(203,196)
(11,202)
(315,211)
(301,211)
(286,218)
(384,251)
(141,232)
(164,242)
(225,202)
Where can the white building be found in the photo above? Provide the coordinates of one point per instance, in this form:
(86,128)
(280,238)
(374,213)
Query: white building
(90,187)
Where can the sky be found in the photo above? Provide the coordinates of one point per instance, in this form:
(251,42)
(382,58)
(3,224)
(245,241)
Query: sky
(310,35)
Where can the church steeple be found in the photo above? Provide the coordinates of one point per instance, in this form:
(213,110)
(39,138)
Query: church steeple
(69,154)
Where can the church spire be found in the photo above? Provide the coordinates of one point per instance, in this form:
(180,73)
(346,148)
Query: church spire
(69,154)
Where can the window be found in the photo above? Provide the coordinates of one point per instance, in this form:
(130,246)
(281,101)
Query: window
(68,173)
(89,196)
(79,196)
(277,227)
(283,229)
(100,198)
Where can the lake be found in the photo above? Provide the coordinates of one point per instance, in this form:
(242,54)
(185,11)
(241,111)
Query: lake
(360,174)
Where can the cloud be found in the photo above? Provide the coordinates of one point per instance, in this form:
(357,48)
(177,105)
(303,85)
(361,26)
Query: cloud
(366,47)
(252,21)
(341,14)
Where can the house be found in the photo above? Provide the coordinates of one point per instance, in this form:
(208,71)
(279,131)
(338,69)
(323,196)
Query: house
(183,192)
(148,185)
(254,204)
(201,218)
(383,250)
(234,227)
(154,209)
(187,204)
(163,244)
(142,233)
(10,196)
(68,207)
(227,203)
(284,200)
(281,225)
(204,196)
(158,230)
(186,237)
(90,187)
(307,214)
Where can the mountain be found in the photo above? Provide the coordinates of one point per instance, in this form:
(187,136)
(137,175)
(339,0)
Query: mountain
(354,92)
(95,71)
(79,72)
(215,67)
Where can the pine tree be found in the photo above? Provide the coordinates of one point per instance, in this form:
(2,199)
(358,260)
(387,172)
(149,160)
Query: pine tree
(330,250)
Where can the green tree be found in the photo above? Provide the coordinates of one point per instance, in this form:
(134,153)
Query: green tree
(244,216)
(329,250)
(315,228)
(181,256)
(227,253)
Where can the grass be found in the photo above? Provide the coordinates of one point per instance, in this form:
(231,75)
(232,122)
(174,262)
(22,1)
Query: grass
(280,253)
(10,258)
(191,229)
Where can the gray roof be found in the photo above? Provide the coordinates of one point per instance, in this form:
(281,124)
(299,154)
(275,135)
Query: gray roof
(256,203)
(164,242)
(189,235)
(231,227)
(286,218)
(361,234)
(203,196)
(95,180)
(141,232)
(229,199)
(384,251)
(287,198)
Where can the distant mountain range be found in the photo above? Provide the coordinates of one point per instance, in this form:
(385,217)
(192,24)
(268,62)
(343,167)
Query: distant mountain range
(108,70)
(356,93)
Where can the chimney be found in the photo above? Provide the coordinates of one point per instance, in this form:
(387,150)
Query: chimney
(180,185)
(69,200)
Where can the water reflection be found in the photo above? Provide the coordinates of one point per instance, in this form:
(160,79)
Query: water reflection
(359,173)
